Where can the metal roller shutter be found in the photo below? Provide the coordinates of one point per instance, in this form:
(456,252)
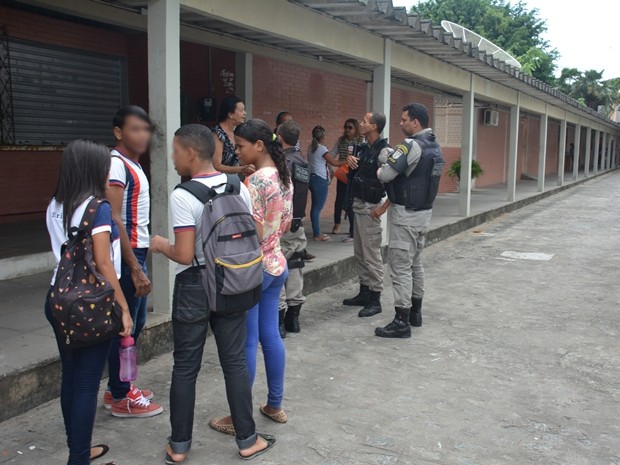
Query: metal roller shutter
(62,94)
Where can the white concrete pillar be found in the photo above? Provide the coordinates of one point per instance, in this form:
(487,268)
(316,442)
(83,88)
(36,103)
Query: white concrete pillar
(542,149)
(562,154)
(576,152)
(513,149)
(603,152)
(586,165)
(243,80)
(608,157)
(597,145)
(382,86)
(381,101)
(467,149)
(165,110)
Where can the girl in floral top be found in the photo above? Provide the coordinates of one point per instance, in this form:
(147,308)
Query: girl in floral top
(271,191)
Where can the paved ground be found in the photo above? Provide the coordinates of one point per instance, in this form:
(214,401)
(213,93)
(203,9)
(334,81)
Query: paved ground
(517,363)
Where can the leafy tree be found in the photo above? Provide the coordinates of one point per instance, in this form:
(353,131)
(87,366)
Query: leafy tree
(509,25)
(589,88)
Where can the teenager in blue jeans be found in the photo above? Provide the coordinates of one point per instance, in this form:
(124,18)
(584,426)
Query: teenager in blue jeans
(83,176)
(129,197)
(318,159)
(271,191)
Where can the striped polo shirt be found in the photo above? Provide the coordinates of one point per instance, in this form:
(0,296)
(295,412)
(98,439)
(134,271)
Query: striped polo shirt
(136,210)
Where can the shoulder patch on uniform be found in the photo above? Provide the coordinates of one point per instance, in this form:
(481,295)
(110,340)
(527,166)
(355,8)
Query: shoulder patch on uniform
(402,148)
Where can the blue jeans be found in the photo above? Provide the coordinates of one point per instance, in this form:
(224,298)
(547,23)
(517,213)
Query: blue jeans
(137,308)
(318,188)
(262,324)
(81,375)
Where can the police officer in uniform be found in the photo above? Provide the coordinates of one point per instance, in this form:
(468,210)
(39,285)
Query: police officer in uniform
(411,174)
(368,196)
(294,242)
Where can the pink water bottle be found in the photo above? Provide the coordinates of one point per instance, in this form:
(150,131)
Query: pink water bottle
(129,360)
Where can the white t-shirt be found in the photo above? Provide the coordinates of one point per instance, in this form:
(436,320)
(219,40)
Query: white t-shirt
(136,209)
(102,223)
(186,211)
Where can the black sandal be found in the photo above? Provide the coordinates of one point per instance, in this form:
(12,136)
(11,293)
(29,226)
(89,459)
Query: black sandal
(270,440)
(105,450)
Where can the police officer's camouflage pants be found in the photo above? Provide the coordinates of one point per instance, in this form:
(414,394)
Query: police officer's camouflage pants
(405,263)
(292,292)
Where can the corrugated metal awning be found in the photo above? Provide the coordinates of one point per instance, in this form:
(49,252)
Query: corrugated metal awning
(382,18)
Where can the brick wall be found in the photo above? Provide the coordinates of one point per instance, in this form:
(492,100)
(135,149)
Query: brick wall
(312,96)
(37,28)
(400,98)
(28,180)
(492,150)
(28,177)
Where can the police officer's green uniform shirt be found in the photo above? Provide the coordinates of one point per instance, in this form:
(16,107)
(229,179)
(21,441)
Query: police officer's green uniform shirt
(410,149)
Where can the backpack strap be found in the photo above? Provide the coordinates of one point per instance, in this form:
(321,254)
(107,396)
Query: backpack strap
(198,190)
(88,218)
(234,181)
(205,193)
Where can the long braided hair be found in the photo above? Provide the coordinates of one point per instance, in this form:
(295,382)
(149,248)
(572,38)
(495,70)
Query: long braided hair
(255,130)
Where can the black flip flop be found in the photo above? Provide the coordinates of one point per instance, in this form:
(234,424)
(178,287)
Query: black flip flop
(270,440)
(105,450)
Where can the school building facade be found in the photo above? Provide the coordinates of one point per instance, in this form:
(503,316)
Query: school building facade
(67,65)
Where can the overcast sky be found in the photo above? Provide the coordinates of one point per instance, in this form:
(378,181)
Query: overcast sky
(586,34)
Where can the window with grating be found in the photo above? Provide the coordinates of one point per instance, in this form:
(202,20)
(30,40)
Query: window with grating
(61,94)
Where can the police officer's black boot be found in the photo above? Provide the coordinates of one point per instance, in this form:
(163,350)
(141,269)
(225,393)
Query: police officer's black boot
(373,306)
(360,299)
(415,315)
(281,323)
(291,320)
(399,327)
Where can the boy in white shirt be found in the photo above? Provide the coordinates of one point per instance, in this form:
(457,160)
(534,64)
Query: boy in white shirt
(194,146)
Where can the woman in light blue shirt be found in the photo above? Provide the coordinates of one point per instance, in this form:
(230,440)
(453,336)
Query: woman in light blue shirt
(318,158)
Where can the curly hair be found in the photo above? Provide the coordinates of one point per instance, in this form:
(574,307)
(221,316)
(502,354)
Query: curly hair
(255,130)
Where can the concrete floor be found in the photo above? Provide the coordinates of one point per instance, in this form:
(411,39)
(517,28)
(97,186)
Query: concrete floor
(517,362)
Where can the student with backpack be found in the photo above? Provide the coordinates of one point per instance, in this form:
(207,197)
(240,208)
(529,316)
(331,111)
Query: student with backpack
(271,191)
(85,304)
(217,251)
(130,200)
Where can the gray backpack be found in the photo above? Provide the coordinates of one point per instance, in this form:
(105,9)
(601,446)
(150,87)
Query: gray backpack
(233,272)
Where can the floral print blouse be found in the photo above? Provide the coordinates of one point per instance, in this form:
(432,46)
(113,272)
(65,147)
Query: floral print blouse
(272,206)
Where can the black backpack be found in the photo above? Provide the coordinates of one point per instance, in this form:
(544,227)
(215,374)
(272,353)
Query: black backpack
(83,306)
(233,272)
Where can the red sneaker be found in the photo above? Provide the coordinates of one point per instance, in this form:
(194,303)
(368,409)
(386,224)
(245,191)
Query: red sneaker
(135,405)
(108,399)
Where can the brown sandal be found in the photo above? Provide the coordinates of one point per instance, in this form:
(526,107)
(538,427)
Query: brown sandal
(322,238)
(222,428)
(278,417)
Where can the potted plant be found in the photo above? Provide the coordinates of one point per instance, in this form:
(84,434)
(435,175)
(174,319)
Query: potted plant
(454,171)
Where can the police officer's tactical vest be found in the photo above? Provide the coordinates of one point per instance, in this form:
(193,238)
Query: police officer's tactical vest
(418,190)
(300,176)
(366,185)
